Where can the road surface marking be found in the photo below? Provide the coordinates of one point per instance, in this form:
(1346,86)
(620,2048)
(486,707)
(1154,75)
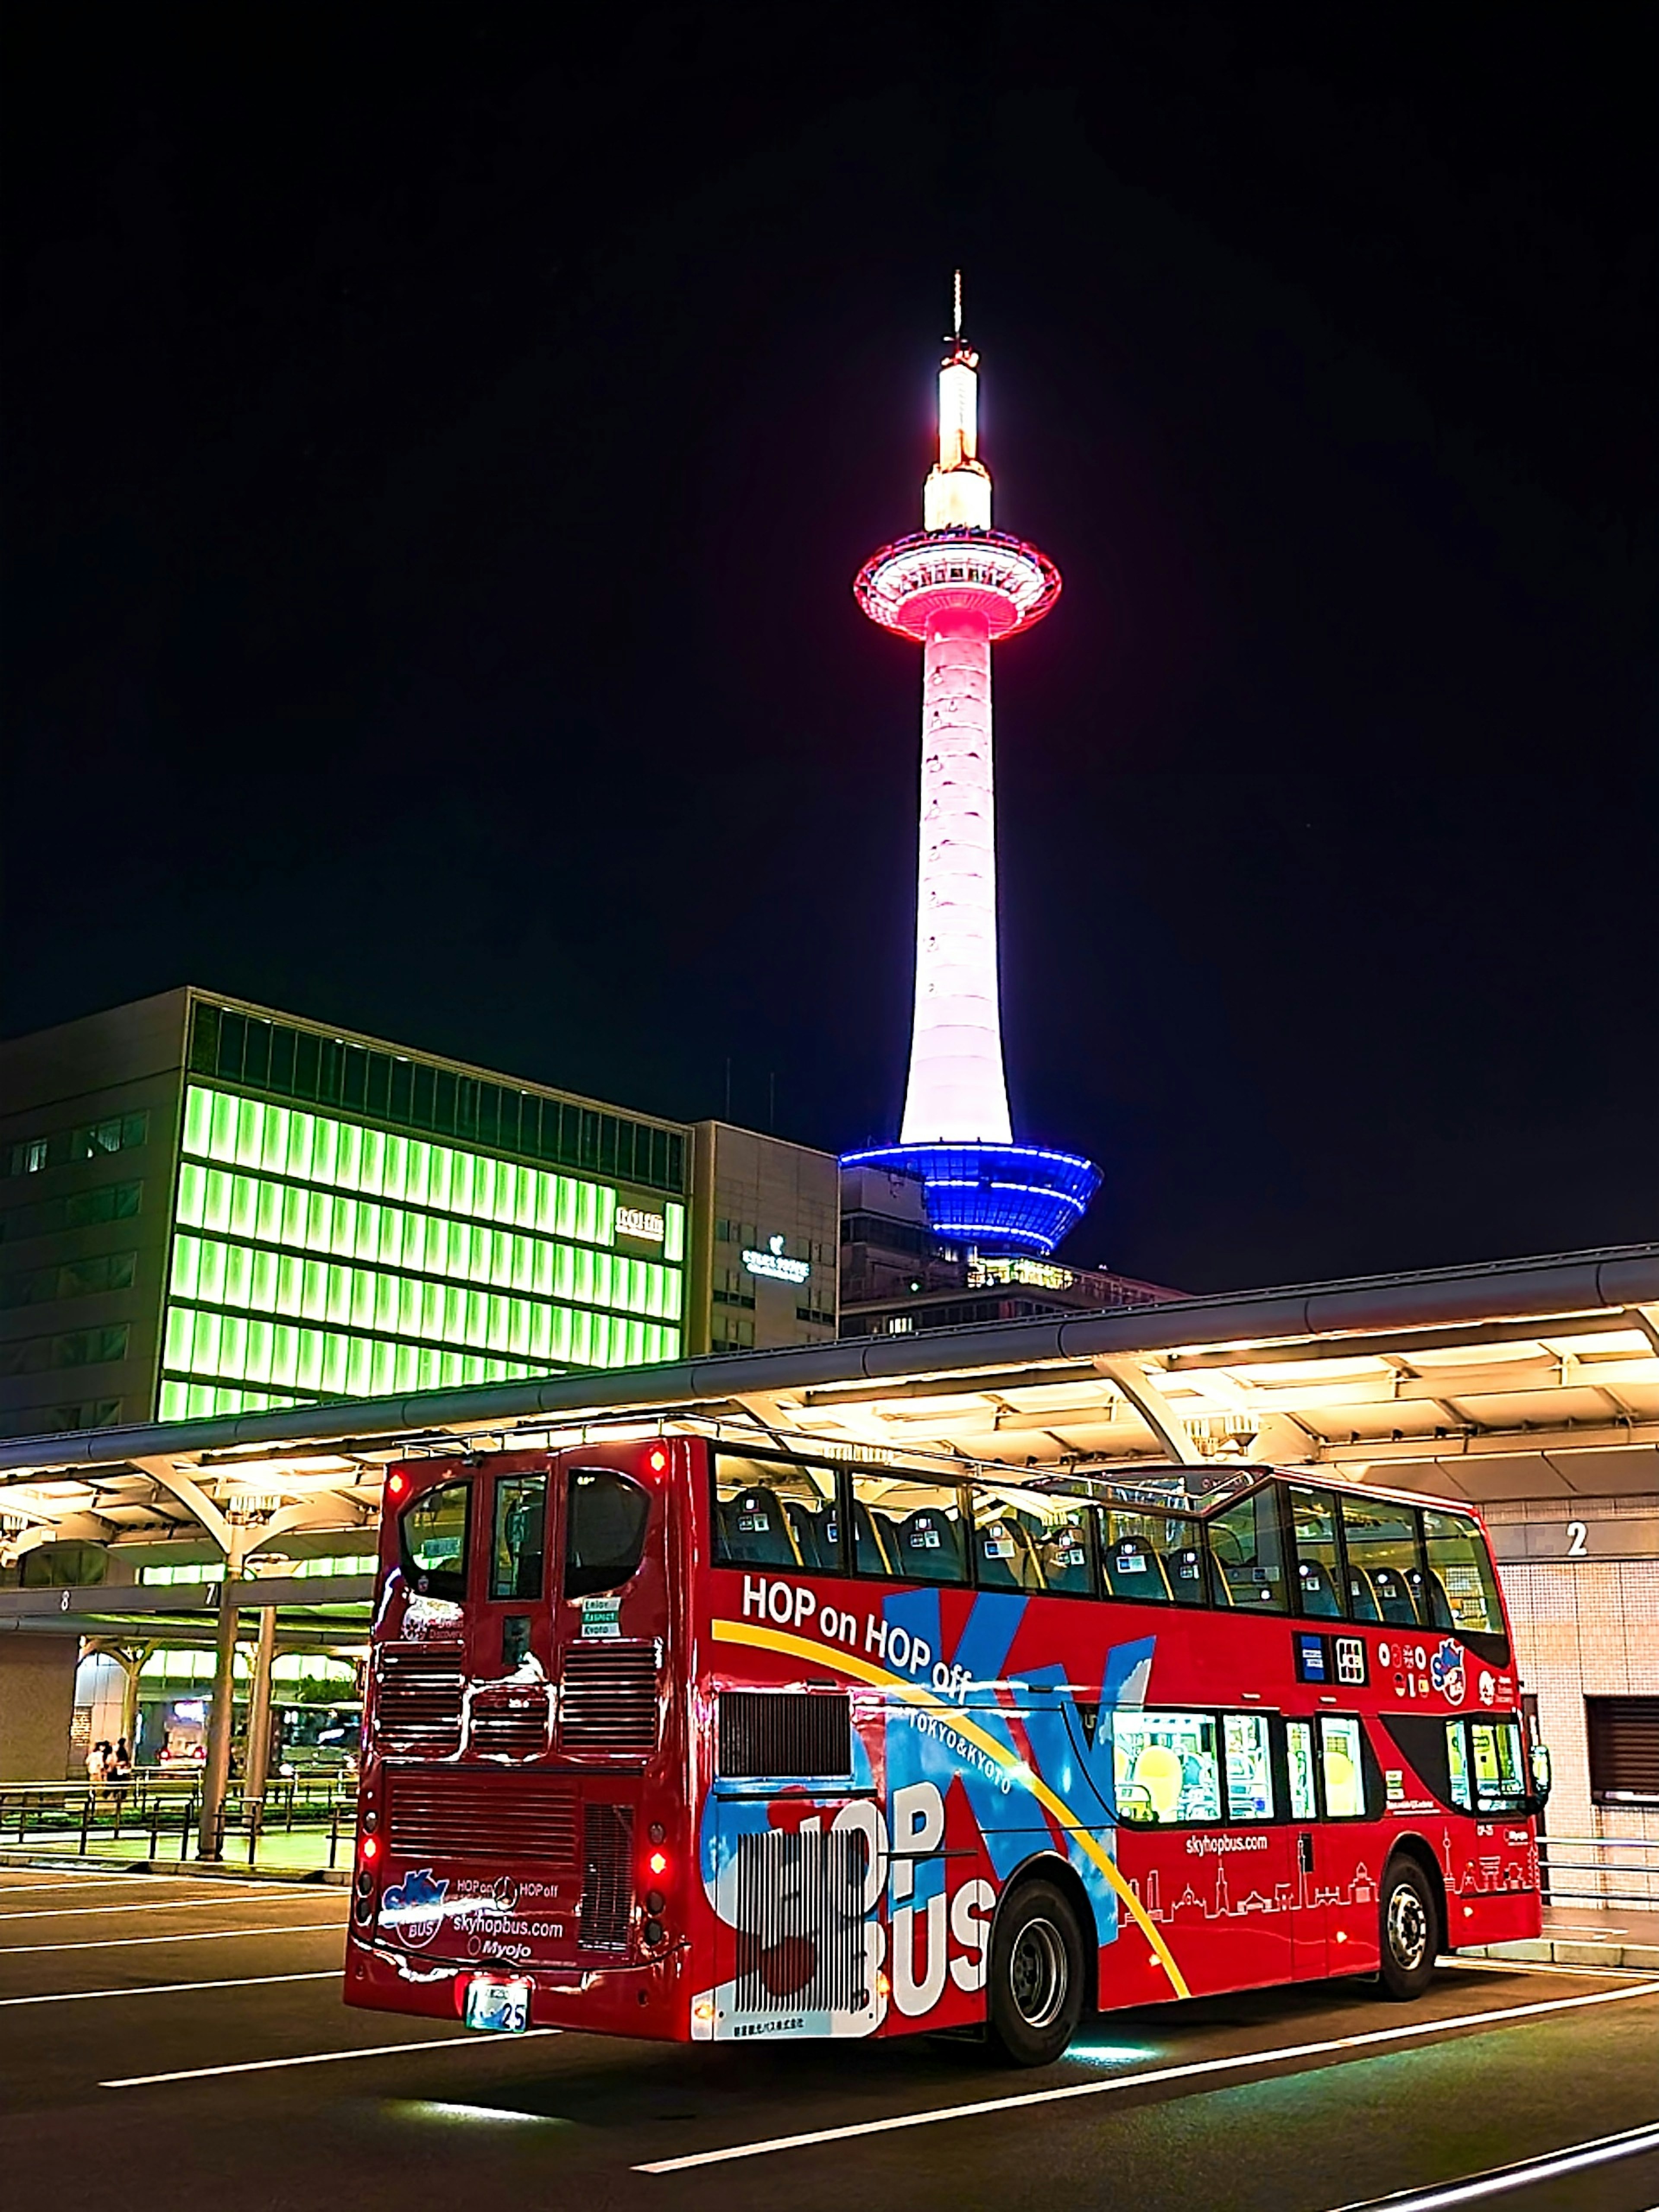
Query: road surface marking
(168,1989)
(231,1883)
(193,1936)
(1239,2062)
(1631,2142)
(312,2058)
(160,1905)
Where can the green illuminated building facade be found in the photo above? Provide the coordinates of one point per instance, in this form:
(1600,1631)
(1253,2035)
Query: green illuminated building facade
(209,1208)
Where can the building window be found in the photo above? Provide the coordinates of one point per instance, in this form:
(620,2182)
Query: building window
(277,1058)
(817,1315)
(80,1209)
(122,1132)
(76,1279)
(26,1159)
(733,1332)
(734,1288)
(1624,1750)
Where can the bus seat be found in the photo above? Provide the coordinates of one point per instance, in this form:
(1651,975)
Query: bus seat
(1157,1770)
(1395,1599)
(872,1551)
(1364,1592)
(757,1534)
(1150,1583)
(809,1529)
(928,1548)
(1319,1597)
(1440,1611)
(1004,1556)
(1060,1558)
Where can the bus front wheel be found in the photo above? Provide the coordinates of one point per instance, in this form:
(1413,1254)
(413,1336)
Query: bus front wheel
(1036,1995)
(1410,1930)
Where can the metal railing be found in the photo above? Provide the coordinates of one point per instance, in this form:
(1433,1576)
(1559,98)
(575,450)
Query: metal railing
(1634,1878)
(158,1813)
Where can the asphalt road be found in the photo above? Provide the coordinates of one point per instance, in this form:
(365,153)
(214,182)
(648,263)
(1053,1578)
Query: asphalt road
(180,2043)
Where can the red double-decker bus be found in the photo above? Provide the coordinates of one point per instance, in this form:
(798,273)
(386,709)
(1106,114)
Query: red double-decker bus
(676,1738)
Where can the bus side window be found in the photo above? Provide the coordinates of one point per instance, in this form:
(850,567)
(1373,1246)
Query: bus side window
(1005,1555)
(1246,1569)
(1385,1574)
(1461,1582)
(432,1541)
(1154,1558)
(1165,1771)
(1340,1757)
(1249,1766)
(1299,1759)
(1457,1764)
(1318,1561)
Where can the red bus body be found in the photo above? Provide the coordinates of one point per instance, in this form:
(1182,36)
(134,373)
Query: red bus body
(719,1801)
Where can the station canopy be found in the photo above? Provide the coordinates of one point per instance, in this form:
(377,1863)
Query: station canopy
(1534,1378)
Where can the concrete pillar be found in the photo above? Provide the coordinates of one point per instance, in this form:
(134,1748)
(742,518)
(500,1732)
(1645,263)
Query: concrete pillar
(37,1706)
(258,1707)
(216,1773)
(132,1663)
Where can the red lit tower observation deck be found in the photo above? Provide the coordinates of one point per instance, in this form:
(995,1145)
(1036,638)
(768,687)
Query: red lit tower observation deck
(957,586)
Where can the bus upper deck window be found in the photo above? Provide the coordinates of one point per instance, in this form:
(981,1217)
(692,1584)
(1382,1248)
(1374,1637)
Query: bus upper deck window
(1152,1557)
(1385,1574)
(1462,1590)
(774,1513)
(1031,1542)
(1318,1563)
(1246,1569)
(432,1541)
(916,1532)
(605,1523)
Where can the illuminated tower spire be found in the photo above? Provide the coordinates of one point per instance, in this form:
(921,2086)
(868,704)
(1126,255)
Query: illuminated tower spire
(956,587)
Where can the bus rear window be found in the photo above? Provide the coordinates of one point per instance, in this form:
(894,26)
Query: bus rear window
(432,1541)
(605,1525)
(1462,1590)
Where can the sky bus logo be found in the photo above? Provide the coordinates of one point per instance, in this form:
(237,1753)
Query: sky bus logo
(1446,1673)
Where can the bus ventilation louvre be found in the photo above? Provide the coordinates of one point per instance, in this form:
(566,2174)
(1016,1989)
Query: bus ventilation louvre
(452,1814)
(795,1736)
(607,1877)
(417,1707)
(510,1723)
(608,1701)
(801,1901)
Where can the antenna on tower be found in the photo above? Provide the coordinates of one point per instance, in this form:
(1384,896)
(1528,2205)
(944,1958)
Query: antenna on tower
(956,306)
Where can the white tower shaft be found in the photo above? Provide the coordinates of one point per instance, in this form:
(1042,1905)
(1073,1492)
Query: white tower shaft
(956,1092)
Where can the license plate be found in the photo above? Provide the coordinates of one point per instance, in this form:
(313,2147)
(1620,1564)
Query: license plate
(501,2007)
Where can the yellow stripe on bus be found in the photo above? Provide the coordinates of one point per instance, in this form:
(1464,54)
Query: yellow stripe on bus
(801,1647)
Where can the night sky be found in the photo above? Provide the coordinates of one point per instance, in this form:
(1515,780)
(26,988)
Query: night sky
(439,444)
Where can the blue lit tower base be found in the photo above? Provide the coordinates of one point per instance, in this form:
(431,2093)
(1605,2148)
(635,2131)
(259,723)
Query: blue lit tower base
(996,1198)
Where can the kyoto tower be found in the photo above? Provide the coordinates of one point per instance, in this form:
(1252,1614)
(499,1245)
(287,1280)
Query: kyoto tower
(956,587)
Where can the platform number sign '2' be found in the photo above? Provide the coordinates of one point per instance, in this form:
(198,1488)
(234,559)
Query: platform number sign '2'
(1577,1534)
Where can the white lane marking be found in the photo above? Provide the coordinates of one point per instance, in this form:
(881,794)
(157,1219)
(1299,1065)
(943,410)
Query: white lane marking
(1538,1966)
(1573,2157)
(1239,2062)
(157,1904)
(232,1884)
(311,2058)
(169,1989)
(191,1936)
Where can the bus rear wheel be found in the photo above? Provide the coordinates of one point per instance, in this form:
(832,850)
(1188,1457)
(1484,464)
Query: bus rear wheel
(1410,1930)
(1036,1994)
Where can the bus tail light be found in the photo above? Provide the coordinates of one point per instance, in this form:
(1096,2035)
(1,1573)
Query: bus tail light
(657,1863)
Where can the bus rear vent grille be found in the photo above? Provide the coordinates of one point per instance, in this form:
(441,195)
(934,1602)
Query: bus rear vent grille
(607,1877)
(607,1702)
(452,1814)
(785,1735)
(801,1898)
(510,1723)
(418,1705)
